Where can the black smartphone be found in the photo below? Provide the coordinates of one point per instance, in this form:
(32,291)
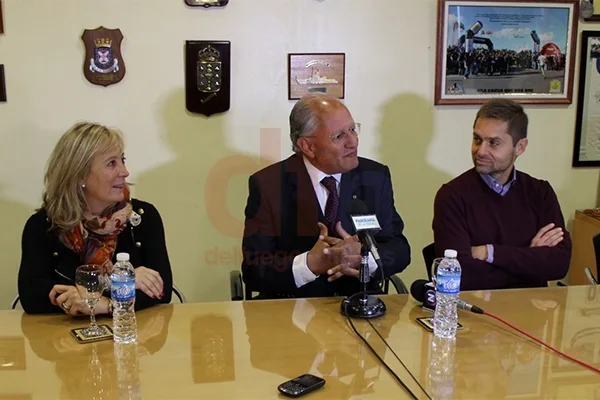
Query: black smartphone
(427,323)
(301,385)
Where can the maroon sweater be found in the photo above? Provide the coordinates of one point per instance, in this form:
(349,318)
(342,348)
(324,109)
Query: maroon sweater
(468,213)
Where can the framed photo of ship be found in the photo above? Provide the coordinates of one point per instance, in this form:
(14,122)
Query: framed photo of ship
(316,72)
(523,50)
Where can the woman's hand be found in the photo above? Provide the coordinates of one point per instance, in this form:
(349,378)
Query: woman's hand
(68,298)
(149,281)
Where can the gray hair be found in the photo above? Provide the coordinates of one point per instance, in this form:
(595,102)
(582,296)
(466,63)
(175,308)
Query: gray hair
(303,118)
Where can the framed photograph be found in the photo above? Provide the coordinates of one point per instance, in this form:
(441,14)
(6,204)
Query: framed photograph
(316,72)
(522,50)
(2,85)
(1,19)
(586,150)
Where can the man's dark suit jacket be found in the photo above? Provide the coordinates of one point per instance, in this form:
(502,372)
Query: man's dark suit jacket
(281,218)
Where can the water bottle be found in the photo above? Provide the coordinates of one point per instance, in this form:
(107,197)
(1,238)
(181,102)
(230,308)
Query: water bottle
(123,300)
(447,288)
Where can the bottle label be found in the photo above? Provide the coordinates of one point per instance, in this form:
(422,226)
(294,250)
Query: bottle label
(448,284)
(123,291)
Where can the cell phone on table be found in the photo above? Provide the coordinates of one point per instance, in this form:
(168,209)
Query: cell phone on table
(427,323)
(301,385)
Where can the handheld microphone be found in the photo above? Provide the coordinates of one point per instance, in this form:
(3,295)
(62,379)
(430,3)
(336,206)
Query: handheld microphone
(424,292)
(365,224)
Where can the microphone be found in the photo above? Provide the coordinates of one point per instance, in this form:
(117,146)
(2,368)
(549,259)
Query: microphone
(365,306)
(424,292)
(365,224)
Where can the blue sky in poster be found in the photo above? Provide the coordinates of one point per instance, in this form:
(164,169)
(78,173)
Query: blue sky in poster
(510,27)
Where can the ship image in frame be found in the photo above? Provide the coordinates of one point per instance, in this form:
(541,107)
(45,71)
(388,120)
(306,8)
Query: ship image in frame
(316,72)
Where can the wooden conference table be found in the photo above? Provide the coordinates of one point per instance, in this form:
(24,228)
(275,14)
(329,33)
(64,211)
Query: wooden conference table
(243,350)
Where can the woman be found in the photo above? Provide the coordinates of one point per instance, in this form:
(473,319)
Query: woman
(87,217)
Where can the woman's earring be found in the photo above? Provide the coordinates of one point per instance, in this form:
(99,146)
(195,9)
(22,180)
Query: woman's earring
(83,185)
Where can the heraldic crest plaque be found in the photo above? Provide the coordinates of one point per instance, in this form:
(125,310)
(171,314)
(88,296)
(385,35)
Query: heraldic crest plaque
(207,76)
(103,64)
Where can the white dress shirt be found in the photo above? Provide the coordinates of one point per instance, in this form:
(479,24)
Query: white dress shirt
(302,274)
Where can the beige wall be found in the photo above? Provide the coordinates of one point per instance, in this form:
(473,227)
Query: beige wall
(194,169)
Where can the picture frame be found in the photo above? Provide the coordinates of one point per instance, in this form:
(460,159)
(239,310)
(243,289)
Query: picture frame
(1,19)
(523,50)
(586,147)
(2,85)
(316,72)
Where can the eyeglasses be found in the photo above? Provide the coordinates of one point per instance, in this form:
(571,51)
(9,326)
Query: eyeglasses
(341,134)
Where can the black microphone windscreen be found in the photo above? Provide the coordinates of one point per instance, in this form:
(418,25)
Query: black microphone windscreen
(417,290)
(358,207)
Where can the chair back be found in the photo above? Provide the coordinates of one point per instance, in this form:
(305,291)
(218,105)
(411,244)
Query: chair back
(14,303)
(596,241)
(590,277)
(177,292)
(237,286)
(428,257)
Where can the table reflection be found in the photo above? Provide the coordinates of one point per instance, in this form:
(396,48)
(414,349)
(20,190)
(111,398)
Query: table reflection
(316,341)
(12,353)
(493,361)
(89,371)
(212,349)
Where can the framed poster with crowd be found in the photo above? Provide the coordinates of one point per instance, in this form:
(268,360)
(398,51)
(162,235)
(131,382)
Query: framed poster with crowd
(523,50)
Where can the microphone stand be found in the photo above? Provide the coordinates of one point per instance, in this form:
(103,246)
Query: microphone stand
(364,306)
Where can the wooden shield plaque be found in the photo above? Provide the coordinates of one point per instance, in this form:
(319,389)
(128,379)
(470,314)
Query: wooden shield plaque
(103,64)
(207,76)
(206,3)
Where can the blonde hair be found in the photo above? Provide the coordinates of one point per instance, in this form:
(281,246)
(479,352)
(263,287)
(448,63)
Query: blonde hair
(68,165)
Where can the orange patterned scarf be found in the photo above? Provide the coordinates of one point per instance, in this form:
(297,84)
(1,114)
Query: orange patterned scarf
(95,238)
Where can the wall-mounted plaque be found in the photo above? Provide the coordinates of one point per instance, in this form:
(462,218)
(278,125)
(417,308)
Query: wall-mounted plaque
(103,64)
(319,72)
(206,3)
(207,76)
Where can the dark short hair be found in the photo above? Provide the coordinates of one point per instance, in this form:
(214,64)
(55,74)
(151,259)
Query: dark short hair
(507,111)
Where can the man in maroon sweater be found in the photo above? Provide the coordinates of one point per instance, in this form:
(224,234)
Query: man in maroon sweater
(506,225)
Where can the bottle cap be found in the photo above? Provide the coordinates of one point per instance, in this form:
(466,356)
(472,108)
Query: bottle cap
(122,256)
(450,253)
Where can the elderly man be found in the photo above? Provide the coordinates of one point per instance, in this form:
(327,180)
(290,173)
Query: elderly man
(298,236)
(506,225)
